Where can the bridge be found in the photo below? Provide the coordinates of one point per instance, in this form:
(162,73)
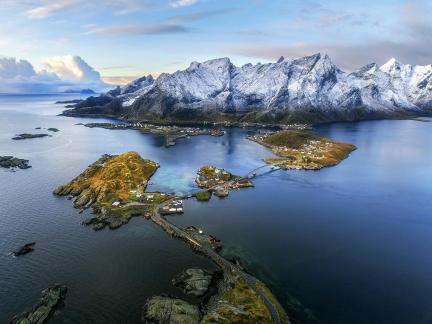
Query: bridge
(261,170)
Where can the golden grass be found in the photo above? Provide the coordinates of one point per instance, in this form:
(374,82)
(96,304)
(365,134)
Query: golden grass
(114,178)
(238,304)
(298,149)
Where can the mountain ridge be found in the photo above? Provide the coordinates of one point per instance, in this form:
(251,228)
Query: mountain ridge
(307,89)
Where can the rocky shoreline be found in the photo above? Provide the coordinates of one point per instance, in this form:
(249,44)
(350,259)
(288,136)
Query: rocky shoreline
(51,298)
(13,162)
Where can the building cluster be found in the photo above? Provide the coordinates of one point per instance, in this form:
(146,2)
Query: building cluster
(173,207)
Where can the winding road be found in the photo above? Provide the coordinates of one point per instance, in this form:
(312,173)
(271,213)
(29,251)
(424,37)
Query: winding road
(224,264)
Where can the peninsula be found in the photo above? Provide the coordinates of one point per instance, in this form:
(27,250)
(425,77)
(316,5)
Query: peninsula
(298,149)
(171,132)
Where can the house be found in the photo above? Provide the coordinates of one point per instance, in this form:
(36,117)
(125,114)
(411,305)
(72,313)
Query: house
(115,204)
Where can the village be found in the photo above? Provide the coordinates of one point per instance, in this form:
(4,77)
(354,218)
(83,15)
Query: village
(299,149)
(172,133)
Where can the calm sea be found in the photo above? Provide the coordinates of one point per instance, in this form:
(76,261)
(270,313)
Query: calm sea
(347,244)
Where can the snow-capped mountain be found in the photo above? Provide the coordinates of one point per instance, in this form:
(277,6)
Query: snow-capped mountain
(310,88)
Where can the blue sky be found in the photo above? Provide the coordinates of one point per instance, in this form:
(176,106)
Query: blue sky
(123,39)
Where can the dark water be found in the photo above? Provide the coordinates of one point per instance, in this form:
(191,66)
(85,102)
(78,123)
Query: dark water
(351,243)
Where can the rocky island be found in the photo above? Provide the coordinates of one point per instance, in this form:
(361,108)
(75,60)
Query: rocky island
(23,250)
(29,136)
(298,149)
(110,186)
(44,309)
(13,162)
(218,181)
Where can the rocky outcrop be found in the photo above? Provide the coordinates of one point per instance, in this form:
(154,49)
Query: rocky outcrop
(28,136)
(40,313)
(162,309)
(111,178)
(193,281)
(307,89)
(26,248)
(13,162)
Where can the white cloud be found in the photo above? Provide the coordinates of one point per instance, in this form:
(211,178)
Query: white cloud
(62,74)
(50,8)
(72,68)
(182,3)
(11,68)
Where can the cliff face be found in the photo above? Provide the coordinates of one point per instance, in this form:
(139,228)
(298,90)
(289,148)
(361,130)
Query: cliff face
(308,89)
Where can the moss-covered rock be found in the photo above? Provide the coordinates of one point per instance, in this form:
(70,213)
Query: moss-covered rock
(193,281)
(40,313)
(160,309)
(237,302)
(203,195)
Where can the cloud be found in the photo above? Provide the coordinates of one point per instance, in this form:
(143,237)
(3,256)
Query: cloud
(171,25)
(200,15)
(62,74)
(313,14)
(11,68)
(72,68)
(182,3)
(51,8)
(119,80)
(414,31)
(164,28)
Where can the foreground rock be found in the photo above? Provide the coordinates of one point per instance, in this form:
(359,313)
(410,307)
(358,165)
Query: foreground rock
(26,248)
(28,136)
(237,302)
(303,150)
(40,313)
(111,186)
(162,309)
(13,162)
(193,281)
(234,302)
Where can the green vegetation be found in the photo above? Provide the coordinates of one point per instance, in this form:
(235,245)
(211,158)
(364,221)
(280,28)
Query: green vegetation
(303,150)
(203,195)
(293,139)
(237,303)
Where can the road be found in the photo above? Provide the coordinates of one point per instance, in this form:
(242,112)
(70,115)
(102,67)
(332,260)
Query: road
(224,264)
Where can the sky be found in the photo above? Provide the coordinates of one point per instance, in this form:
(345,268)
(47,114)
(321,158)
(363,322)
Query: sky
(120,40)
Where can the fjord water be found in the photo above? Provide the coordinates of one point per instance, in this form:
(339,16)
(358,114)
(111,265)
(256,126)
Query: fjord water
(351,242)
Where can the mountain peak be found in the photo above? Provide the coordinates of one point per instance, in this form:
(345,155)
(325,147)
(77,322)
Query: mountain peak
(390,65)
